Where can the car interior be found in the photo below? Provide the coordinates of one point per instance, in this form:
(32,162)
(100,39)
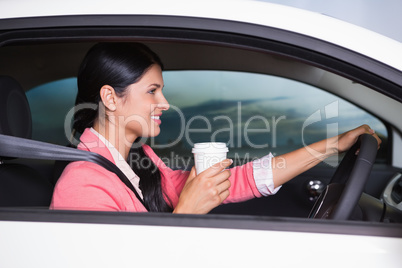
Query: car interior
(29,182)
(21,185)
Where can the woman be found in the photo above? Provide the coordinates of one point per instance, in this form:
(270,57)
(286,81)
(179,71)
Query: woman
(124,80)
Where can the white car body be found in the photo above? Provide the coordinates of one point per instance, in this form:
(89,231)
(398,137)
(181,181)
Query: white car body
(104,245)
(272,15)
(66,243)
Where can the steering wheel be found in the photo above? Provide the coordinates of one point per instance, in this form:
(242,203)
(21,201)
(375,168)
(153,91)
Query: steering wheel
(342,194)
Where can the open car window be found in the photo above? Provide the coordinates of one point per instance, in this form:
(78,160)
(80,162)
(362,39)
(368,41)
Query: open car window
(254,114)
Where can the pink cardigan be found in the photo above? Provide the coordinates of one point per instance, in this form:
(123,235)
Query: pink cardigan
(88,186)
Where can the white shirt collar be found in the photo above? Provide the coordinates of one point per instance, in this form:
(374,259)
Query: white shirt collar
(121,163)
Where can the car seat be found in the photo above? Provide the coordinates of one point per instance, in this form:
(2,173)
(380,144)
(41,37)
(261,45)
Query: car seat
(20,184)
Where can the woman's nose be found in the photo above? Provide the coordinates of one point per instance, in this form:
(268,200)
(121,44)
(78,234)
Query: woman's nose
(163,104)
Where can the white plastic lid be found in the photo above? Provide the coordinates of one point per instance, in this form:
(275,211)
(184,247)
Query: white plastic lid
(210,147)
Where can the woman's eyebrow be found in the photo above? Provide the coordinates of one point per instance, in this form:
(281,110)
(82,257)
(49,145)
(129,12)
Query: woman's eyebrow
(156,85)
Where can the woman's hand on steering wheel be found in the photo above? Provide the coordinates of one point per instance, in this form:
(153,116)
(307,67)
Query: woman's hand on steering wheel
(345,140)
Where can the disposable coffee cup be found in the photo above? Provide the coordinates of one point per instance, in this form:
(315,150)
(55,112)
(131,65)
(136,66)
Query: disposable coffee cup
(207,154)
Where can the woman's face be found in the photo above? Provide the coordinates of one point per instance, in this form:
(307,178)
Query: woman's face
(140,109)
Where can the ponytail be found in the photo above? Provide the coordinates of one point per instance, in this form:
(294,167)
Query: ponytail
(150,180)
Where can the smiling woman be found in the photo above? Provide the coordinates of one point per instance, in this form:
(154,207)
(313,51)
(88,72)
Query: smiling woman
(123,82)
(249,68)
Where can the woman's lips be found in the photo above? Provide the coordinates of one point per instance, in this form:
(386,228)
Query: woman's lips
(156,119)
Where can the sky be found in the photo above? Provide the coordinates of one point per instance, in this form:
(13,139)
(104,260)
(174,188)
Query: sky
(381,16)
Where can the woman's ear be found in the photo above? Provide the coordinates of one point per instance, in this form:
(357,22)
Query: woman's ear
(108,97)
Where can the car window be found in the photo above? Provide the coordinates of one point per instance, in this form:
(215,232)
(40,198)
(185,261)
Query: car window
(50,104)
(254,114)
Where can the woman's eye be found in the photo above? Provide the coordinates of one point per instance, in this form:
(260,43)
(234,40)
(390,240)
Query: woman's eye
(152,91)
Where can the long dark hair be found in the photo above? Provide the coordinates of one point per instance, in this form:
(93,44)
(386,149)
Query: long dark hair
(120,65)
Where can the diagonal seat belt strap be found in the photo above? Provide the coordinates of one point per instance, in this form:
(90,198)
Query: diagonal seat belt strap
(15,147)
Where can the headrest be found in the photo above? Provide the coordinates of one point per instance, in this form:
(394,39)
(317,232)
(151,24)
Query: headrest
(15,114)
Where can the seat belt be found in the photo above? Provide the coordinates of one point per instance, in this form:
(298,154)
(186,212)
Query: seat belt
(16,147)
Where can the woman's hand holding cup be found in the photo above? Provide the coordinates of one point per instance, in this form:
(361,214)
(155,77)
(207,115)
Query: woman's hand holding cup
(205,191)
